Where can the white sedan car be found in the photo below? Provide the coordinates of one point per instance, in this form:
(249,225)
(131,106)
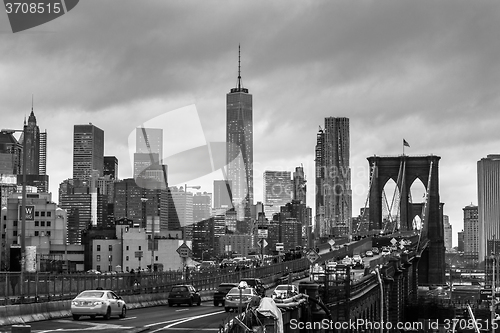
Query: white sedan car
(98,303)
(285,291)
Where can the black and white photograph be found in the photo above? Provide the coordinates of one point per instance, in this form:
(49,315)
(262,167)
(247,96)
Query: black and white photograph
(249,166)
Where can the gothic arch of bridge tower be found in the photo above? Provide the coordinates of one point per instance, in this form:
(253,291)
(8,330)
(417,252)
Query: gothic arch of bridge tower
(405,170)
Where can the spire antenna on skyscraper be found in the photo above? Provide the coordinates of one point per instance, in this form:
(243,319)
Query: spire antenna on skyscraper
(239,67)
(31,102)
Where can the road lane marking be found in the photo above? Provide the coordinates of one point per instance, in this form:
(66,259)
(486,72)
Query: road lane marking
(192,329)
(194,318)
(163,322)
(182,310)
(179,319)
(127,318)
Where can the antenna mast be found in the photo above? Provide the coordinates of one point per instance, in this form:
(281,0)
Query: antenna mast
(239,67)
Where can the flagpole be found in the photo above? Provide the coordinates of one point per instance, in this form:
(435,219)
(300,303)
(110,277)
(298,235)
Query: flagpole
(403,147)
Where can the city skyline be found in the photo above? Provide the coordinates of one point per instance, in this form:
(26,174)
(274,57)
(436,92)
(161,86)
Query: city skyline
(426,72)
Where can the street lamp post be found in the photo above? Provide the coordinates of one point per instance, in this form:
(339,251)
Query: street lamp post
(492,307)
(23,207)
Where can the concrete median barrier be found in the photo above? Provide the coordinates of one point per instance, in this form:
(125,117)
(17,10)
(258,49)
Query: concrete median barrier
(24,313)
(3,316)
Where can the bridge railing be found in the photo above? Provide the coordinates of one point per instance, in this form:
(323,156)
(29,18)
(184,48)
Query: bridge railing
(40,287)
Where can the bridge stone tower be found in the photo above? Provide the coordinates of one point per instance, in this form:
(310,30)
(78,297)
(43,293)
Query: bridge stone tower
(408,169)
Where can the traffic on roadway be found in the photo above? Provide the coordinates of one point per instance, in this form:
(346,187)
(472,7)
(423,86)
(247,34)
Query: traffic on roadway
(184,317)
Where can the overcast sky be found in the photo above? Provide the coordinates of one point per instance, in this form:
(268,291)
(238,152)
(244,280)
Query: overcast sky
(426,71)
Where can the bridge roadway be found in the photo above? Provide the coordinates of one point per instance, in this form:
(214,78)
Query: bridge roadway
(208,318)
(197,319)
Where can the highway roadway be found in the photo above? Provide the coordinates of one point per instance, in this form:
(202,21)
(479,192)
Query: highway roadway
(204,318)
(185,319)
(196,319)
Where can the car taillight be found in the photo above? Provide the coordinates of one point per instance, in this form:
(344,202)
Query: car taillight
(98,302)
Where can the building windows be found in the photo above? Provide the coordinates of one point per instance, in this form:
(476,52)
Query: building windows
(98,267)
(98,257)
(42,213)
(14,224)
(49,214)
(14,233)
(140,248)
(156,258)
(37,223)
(37,213)
(37,232)
(110,247)
(42,223)
(98,247)
(127,247)
(126,259)
(49,223)
(47,233)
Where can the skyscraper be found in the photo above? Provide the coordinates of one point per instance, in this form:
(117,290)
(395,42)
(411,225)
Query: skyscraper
(488,190)
(148,150)
(222,189)
(470,233)
(10,154)
(448,233)
(88,151)
(36,155)
(239,145)
(278,191)
(333,179)
(299,185)
(85,207)
(135,202)
(110,167)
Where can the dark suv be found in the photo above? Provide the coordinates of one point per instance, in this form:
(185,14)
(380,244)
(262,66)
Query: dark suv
(184,294)
(222,291)
(257,285)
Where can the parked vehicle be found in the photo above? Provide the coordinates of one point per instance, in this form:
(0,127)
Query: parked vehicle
(184,294)
(222,290)
(347,261)
(386,252)
(357,261)
(248,296)
(369,253)
(285,291)
(98,303)
(375,250)
(256,284)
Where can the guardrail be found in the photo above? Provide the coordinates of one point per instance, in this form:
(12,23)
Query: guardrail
(43,287)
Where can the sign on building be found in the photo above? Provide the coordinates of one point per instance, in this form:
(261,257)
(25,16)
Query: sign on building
(31,259)
(30,213)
